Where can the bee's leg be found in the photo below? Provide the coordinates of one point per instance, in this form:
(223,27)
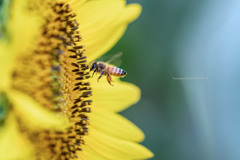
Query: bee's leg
(94,72)
(101,75)
(109,79)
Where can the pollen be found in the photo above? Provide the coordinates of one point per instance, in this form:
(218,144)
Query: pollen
(55,75)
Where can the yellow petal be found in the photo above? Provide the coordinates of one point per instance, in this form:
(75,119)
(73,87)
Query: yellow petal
(103,24)
(76,3)
(131,12)
(94,17)
(114,148)
(113,98)
(6,62)
(24,27)
(89,154)
(98,12)
(114,125)
(13,144)
(103,42)
(33,114)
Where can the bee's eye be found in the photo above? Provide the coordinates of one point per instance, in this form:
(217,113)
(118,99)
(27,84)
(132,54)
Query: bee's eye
(93,66)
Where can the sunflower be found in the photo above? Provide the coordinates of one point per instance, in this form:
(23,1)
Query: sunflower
(50,107)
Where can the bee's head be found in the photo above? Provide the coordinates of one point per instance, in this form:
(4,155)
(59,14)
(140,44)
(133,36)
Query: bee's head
(93,66)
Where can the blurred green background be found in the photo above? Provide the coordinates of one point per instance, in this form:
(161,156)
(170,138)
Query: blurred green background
(184,55)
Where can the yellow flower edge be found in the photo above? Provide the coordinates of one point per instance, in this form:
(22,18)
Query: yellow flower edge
(114,148)
(12,144)
(114,98)
(34,114)
(102,23)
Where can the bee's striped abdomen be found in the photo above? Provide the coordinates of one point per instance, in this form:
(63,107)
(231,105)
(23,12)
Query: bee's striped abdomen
(116,71)
(122,72)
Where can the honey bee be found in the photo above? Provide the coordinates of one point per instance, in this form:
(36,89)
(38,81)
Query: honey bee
(104,68)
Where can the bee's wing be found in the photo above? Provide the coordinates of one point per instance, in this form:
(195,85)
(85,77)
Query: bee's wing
(116,59)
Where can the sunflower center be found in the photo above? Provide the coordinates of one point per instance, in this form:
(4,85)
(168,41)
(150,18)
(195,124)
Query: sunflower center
(55,75)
